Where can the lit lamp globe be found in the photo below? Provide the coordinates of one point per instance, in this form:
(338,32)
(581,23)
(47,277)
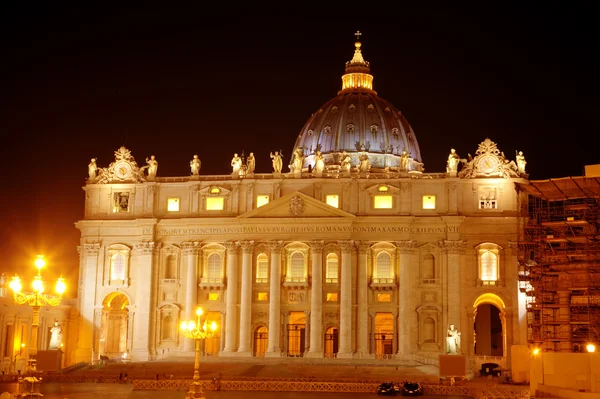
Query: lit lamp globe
(591,348)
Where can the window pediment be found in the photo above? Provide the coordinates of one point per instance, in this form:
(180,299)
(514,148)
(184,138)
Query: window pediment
(378,189)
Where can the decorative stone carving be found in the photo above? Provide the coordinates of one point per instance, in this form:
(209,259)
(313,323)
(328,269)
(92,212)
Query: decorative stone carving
(277,161)
(488,162)
(296,205)
(144,247)
(452,163)
(346,245)
(316,247)
(363,247)
(232,247)
(91,249)
(453,247)
(247,246)
(407,247)
(275,245)
(195,165)
(405,187)
(450,186)
(190,248)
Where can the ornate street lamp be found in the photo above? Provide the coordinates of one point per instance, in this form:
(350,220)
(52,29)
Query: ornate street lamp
(37,298)
(199,331)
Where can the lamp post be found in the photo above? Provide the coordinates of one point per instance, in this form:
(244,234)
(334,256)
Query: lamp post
(198,330)
(37,298)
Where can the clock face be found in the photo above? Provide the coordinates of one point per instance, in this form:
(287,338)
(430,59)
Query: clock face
(487,164)
(123,170)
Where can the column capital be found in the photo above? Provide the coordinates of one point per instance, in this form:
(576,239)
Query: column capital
(91,249)
(247,246)
(190,247)
(407,247)
(144,247)
(363,247)
(316,246)
(232,247)
(453,247)
(275,245)
(346,245)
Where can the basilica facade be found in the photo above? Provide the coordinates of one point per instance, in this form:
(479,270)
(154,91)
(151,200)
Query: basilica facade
(352,251)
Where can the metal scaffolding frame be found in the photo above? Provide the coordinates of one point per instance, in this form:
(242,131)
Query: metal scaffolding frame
(559,261)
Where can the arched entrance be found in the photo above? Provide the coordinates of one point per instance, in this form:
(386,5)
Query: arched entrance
(296,334)
(384,335)
(114,325)
(331,342)
(260,341)
(489,321)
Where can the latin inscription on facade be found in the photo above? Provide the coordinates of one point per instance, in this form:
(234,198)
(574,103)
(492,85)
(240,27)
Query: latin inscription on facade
(182,231)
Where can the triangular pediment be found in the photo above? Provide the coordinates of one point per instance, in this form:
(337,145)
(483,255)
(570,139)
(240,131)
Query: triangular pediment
(296,205)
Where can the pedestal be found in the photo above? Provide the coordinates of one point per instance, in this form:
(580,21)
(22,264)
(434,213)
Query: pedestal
(195,391)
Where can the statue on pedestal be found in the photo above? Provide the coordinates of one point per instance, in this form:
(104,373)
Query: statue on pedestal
(345,163)
(297,161)
(277,161)
(452,163)
(365,164)
(195,165)
(453,341)
(55,336)
(92,169)
(250,163)
(319,163)
(152,166)
(236,164)
(521,162)
(404,159)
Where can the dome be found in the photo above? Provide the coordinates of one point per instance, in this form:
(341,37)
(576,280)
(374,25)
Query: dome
(358,120)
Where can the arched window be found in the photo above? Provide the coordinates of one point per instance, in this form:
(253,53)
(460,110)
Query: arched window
(117,267)
(384,265)
(214,267)
(262,268)
(170,267)
(297,265)
(331,269)
(488,263)
(428,270)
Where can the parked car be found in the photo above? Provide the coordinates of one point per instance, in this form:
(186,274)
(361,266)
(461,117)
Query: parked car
(388,388)
(411,389)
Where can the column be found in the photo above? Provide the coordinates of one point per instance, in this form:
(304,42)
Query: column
(316,300)
(273,338)
(362,315)
(87,293)
(231,315)
(373,331)
(453,250)
(191,249)
(395,333)
(345,344)
(406,250)
(245,348)
(143,292)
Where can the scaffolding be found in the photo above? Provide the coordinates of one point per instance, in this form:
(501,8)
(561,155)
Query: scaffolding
(559,262)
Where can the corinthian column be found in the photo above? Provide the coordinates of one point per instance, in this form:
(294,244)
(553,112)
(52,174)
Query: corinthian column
(316,301)
(273,349)
(345,348)
(245,348)
(406,251)
(141,324)
(362,308)
(231,316)
(191,249)
(453,250)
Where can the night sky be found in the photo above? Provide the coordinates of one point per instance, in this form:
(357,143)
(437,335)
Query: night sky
(79,83)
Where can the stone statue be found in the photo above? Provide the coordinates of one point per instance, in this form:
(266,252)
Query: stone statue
(236,164)
(277,161)
(92,169)
(453,341)
(345,163)
(365,164)
(319,163)
(521,162)
(250,163)
(152,166)
(404,158)
(297,161)
(195,165)
(452,163)
(55,336)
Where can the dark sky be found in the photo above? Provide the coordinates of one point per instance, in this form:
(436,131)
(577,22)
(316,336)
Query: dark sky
(80,82)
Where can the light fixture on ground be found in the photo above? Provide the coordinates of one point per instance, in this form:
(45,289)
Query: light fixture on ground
(36,299)
(198,330)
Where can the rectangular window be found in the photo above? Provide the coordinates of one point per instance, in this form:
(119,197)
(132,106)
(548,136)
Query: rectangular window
(384,297)
(261,200)
(488,204)
(214,203)
(383,202)
(333,200)
(332,297)
(173,204)
(429,202)
(262,296)
(214,296)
